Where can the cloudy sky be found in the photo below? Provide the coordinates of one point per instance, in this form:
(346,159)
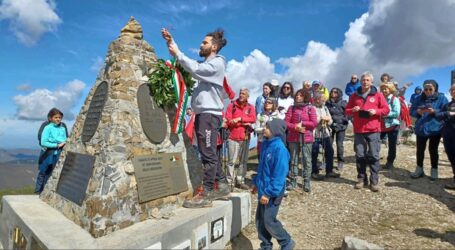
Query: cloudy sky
(52,50)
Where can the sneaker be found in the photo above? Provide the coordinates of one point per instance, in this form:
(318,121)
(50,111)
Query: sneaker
(317,177)
(221,191)
(306,186)
(200,200)
(434,174)
(374,188)
(418,173)
(450,186)
(332,175)
(388,165)
(340,166)
(360,185)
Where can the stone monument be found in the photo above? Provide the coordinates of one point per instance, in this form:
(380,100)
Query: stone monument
(121,172)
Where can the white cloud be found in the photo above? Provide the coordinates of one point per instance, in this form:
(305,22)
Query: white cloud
(98,62)
(403,38)
(35,105)
(24,87)
(30,19)
(252,72)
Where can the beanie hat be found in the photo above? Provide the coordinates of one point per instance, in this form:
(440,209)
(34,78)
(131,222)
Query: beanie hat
(278,128)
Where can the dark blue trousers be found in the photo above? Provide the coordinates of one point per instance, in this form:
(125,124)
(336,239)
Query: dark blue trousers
(268,226)
(326,144)
(449,145)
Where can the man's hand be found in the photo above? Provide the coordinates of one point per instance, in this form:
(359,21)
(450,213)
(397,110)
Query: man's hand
(356,109)
(372,112)
(166,35)
(264,200)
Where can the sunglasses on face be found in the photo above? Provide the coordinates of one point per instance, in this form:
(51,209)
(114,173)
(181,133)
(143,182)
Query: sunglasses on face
(286,87)
(429,89)
(268,102)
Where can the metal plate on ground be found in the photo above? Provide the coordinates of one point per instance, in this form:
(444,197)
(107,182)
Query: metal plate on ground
(159,175)
(93,117)
(153,118)
(76,172)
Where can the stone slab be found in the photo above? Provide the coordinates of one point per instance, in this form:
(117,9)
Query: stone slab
(47,228)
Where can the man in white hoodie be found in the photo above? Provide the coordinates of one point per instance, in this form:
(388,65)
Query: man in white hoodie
(207,104)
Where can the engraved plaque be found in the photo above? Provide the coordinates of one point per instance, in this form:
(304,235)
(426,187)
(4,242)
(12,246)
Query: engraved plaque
(94,111)
(153,119)
(76,173)
(159,175)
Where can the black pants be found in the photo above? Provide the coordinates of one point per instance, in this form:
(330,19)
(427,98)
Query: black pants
(432,148)
(449,145)
(207,130)
(338,136)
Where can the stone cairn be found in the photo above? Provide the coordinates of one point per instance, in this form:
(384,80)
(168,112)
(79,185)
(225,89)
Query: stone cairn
(111,198)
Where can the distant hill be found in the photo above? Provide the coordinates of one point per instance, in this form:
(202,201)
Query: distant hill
(19,156)
(18,167)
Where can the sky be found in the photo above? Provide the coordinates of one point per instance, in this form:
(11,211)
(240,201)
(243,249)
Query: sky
(51,51)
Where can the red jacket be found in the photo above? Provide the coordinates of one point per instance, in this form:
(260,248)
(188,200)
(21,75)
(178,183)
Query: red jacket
(305,114)
(242,128)
(374,100)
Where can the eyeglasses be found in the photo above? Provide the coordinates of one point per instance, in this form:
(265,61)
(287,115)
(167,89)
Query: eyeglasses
(286,87)
(268,102)
(430,89)
(353,77)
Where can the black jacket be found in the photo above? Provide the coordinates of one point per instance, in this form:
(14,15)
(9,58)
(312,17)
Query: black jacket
(336,109)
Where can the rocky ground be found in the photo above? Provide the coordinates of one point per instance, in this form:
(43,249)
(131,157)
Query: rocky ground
(404,214)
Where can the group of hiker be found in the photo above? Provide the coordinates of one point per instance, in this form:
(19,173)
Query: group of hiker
(293,124)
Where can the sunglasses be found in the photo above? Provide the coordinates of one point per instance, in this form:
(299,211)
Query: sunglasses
(286,87)
(429,89)
(268,102)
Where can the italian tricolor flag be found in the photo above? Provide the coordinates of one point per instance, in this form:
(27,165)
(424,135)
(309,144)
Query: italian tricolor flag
(181,97)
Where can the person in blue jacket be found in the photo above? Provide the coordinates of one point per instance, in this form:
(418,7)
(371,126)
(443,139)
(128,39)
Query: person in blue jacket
(53,139)
(415,96)
(427,127)
(447,116)
(270,183)
(266,93)
(352,85)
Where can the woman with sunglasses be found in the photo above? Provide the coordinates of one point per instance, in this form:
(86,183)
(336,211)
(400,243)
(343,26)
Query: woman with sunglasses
(301,119)
(337,107)
(447,116)
(286,99)
(268,113)
(427,127)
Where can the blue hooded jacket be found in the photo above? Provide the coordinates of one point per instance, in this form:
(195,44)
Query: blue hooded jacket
(415,96)
(273,164)
(427,125)
(350,89)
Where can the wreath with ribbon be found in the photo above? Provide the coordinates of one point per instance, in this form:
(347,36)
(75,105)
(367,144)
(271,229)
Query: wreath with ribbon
(171,85)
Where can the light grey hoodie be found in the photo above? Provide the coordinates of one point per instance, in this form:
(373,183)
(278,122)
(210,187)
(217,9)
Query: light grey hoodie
(207,95)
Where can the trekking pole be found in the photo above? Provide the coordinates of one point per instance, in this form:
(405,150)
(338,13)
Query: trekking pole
(322,133)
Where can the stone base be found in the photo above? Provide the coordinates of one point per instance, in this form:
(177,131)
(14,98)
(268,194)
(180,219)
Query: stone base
(39,226)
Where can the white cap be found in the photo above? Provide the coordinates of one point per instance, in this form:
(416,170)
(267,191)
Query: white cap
(274,82)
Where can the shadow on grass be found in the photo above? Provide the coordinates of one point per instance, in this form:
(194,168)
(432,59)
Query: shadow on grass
(448,236)
(434,189)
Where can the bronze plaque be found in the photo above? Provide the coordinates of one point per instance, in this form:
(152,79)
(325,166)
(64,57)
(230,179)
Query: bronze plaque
(153,119)
(76,172)
(94,111)
(159,175)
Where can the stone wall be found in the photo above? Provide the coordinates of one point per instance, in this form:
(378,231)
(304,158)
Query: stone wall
(111,201)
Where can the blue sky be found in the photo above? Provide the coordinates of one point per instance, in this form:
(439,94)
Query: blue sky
(52,50)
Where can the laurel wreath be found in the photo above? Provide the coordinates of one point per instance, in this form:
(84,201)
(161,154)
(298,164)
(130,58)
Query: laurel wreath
(161,86)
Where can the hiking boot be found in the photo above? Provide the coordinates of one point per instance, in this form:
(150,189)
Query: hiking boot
(221,191)
(418,173)
(307,186)
(434,174)
(389,165)
(360,185)
(244,186)
(450,186)
(332,175)
(374,188)
(200,199)
(318,177)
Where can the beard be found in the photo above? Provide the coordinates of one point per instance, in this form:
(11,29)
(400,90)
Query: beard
(204,52)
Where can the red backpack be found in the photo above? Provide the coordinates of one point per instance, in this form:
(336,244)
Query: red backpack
(405,115)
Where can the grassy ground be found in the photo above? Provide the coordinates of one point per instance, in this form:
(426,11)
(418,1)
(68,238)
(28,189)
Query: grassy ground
(17,191)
